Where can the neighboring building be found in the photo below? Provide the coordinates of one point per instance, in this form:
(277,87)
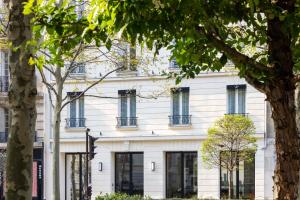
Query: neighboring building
(151,146)
(38,152)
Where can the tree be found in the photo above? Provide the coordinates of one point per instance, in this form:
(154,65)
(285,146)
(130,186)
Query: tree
(61,50)
(230,141)
(22,94)
(204,35)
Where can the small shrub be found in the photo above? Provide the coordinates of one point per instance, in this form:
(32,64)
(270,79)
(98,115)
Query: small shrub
(120,196)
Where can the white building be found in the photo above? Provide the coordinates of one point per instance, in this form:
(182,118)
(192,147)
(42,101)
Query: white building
(151,146)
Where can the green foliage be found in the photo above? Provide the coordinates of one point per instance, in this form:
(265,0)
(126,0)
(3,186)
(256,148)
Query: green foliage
(59,31)
(119,196)
(231,136)
(189,29)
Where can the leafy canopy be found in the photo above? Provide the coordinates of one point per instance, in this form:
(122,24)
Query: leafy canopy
(204,35)
(233,137)
(60,29)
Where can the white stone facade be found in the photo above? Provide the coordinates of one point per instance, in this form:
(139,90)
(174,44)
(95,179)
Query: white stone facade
(153,136)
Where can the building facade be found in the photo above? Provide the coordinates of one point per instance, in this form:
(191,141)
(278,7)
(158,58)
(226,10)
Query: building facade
(150,134)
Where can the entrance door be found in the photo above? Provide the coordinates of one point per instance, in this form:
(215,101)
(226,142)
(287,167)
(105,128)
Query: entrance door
(181,174)
(129,173)
(75,179)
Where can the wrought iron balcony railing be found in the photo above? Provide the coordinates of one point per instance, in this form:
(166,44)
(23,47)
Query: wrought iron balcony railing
(243,114)
(75,122)
(175,120)
(126,122)
(3,137)
(4,83)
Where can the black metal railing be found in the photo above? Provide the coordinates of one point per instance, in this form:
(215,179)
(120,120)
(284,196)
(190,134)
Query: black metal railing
(3,137)
(75,122)
(180,120)
(243,114)
(126,121)
(4,83)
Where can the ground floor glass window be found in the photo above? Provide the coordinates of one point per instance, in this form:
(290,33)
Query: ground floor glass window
(76,176)
(243,181)
(181,174)
(129,173)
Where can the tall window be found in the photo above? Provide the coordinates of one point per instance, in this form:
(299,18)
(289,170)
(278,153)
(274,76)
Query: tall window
(4,71)
(129,173)
(126,55)
(173,64)
(77,68)
(180,107)
(75,177)
(76,111)
(236,99)
(127,110)
(181,172)
(243,181)
(3,124)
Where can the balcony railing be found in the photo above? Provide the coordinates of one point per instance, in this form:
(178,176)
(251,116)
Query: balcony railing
(126,122)
(75,122)
(3,137)
(243,114)
(4,84)
(175,120)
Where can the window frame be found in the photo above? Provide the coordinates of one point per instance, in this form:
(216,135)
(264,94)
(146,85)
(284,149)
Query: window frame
(81,120)
(129,117)
(236,97)
(182,153)
(237,172)
(180,91)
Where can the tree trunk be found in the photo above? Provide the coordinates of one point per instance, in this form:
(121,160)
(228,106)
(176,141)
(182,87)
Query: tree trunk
(280,92)
(230,185)
(22,96)
(286,175)
(56,135)
(297,98)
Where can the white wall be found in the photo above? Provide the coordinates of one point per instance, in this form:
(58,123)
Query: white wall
(208,100)
(207,103)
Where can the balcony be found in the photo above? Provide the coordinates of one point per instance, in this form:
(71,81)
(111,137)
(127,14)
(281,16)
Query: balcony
(75,123)
(123,122)
(3,137)
(242,114)
(180,120)
(4,83)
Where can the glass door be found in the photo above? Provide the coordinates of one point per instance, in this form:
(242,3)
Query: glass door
(181,172)
(129,173)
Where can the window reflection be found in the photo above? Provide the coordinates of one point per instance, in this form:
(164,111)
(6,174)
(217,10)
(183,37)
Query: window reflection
(181,174)
(243,181)
(129,173)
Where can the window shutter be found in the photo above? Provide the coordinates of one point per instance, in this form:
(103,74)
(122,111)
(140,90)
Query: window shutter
(81,112)
(231,100)
(185,107)
(123,109)
(241,100)
(175,107)
(133,104)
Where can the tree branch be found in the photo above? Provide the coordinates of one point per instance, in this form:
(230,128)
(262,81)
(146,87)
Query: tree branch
(89,87)
(44,80)
(232,53)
